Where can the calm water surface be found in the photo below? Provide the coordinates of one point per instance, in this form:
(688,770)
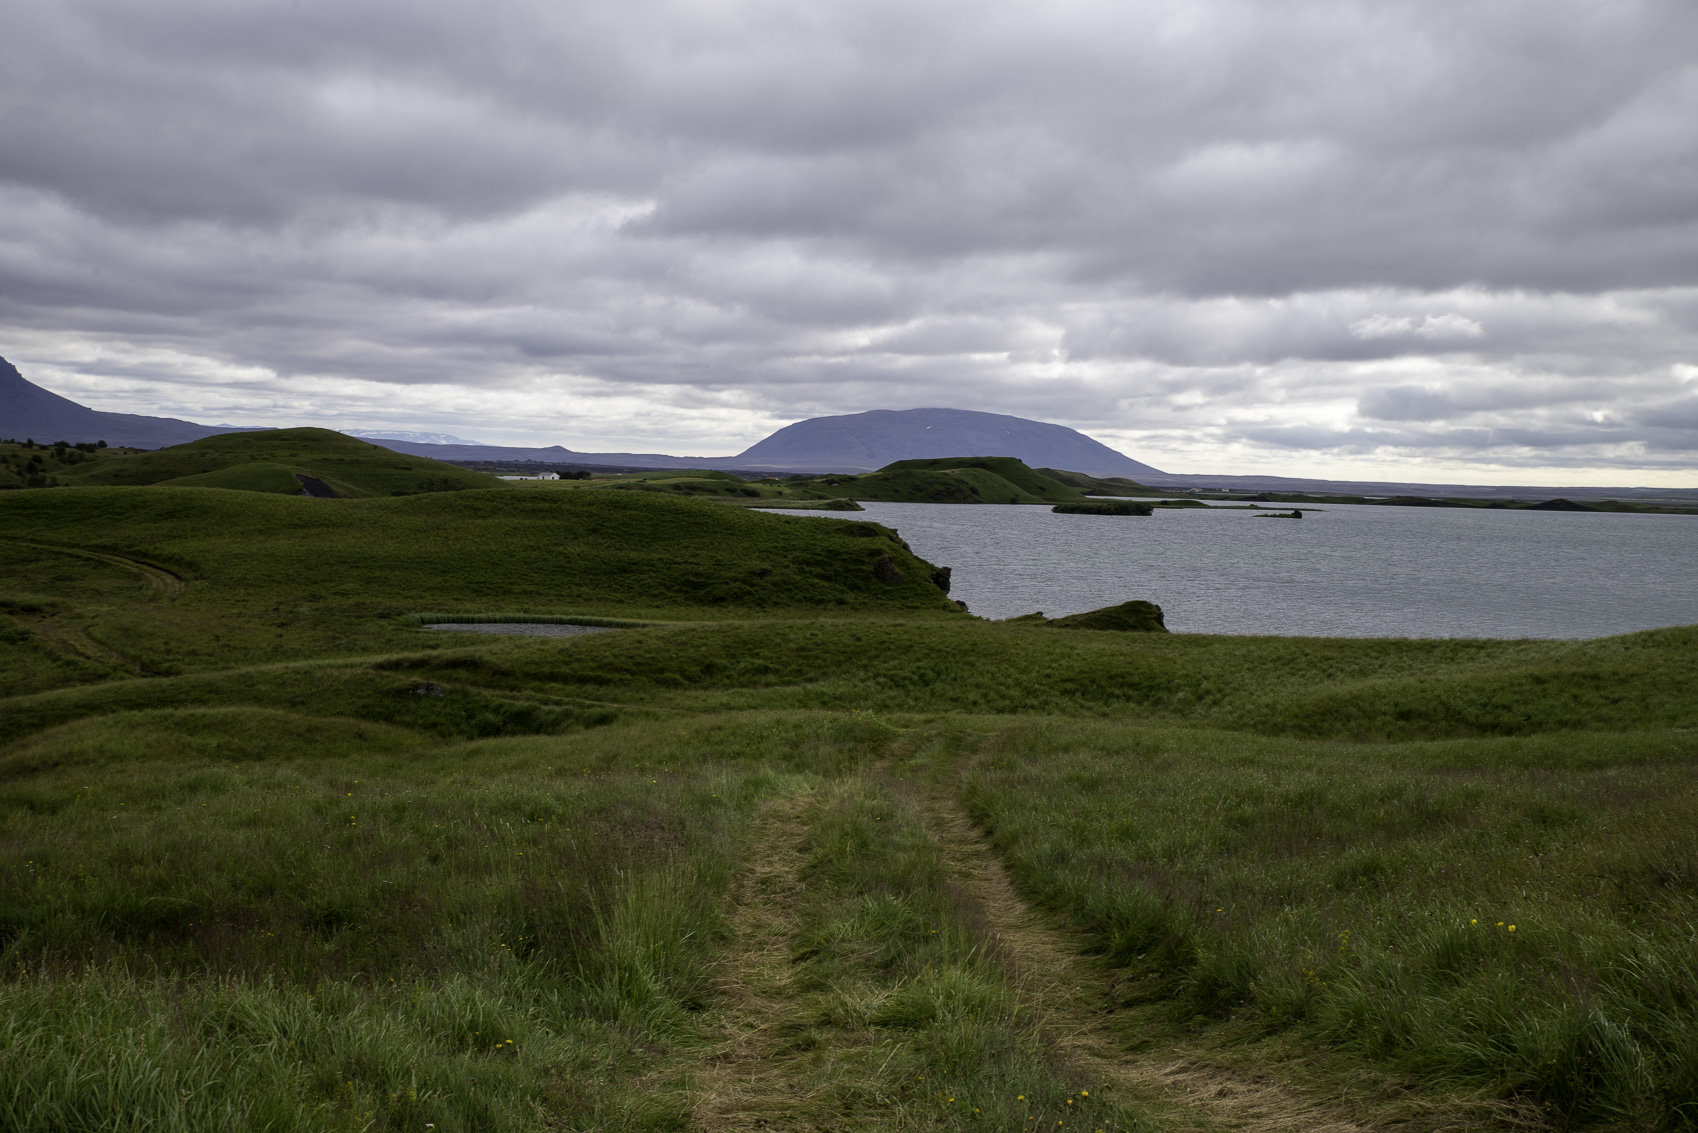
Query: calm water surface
(1343,570)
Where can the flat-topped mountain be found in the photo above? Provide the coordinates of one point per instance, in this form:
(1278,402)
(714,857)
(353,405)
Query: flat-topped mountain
(28,411)
(865,441)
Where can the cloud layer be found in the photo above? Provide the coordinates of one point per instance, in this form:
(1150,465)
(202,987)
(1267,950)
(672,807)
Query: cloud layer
(1312,238)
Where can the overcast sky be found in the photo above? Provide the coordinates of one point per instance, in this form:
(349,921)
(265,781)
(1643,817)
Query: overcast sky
(1440,241)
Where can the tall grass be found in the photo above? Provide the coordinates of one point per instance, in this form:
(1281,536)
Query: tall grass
(290,923)
(1325,688)
(1513,915)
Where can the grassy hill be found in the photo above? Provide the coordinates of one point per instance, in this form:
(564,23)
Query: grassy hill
(700,484)
(955,480)
(808,848)
(1029,481)
(272,576)
(948,480)
(271,461)
(1095,485)
(25,464)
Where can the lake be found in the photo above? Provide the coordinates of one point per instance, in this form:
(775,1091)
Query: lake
(1341,571)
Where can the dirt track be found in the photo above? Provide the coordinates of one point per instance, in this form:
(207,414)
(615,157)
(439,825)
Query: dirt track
(1046,967)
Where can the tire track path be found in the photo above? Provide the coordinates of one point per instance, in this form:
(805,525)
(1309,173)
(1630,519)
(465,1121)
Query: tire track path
(1048,971)
(161,583)
(69,639)
(743,1080)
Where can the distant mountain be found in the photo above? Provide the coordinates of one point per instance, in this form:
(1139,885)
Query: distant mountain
(1386,488)
(865,441)
(554,454)
(29,412)
(415,438)
(859,442)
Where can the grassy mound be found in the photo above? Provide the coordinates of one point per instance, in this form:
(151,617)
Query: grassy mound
(278,576)
(722,487)
(26,464)
(1015,472)
(948,480)
(260,476)
(1135,616)
(1096,485)
(955,480)
(267,461)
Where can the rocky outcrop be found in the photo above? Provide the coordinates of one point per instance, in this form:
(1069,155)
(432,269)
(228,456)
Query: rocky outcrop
(1136,616)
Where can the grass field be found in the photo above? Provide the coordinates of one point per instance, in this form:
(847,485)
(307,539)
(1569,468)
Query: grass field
(808,848)
(1516,913)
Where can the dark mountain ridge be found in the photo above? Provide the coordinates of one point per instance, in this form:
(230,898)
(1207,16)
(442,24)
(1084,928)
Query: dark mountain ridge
(29,412)
(554,454)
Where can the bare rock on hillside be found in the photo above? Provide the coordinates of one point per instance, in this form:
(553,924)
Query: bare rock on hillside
(314,487)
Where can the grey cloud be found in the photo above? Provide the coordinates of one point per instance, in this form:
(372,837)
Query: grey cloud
(1449,327)
(1407,403)
(1237,220)
(1503,397)
(1670,416)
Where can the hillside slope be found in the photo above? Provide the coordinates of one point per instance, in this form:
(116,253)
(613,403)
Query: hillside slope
(275,459)
(254,577)
(947,480)
(1028,480)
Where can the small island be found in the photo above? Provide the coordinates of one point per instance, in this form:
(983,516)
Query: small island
(1104,507)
